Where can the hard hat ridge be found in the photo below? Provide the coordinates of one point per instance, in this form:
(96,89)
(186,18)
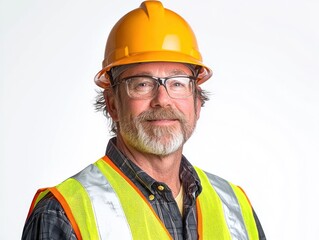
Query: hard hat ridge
(151,6)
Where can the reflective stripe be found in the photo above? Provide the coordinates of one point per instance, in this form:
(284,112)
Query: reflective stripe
(246,211)
(106,205)
(231,207)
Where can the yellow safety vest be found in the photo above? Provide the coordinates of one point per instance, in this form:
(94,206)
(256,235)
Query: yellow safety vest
(102,203)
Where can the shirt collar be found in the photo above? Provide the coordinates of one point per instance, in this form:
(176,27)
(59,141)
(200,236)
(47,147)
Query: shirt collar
(188,175)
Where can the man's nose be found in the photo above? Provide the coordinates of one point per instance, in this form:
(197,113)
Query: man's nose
(161,97)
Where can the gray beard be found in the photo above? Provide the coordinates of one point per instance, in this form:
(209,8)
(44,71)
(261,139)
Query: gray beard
(157,140)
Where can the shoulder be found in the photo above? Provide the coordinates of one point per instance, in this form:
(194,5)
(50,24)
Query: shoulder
(48,204)
(48,221)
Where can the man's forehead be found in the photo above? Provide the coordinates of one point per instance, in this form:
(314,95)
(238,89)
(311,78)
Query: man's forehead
(148,68)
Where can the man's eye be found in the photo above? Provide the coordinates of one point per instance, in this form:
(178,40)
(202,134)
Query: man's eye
(178,84)
(142,85)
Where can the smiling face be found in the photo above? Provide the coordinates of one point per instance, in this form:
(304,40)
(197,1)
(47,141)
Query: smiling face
(159,125)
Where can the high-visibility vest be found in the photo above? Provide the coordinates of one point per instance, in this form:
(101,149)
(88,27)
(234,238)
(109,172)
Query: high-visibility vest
(102,203)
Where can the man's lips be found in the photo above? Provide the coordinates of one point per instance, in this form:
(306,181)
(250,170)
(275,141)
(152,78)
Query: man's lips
(162,121)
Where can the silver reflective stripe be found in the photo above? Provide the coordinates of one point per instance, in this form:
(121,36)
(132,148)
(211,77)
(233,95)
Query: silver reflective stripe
(110,218)
(231,207)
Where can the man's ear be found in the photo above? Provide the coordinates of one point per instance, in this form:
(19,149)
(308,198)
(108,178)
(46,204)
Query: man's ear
(111,104)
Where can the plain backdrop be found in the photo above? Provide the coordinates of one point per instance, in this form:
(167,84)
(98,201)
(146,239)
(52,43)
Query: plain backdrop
(259,130)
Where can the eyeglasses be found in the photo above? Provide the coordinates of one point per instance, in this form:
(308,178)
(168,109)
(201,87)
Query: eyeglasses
(145,87)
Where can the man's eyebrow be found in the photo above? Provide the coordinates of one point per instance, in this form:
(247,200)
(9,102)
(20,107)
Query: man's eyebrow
(178,72)
(144,73)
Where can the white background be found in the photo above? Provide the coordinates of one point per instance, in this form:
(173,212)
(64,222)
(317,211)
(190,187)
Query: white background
(260,129)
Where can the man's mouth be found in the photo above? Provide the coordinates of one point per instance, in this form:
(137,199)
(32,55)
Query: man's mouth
(162,121)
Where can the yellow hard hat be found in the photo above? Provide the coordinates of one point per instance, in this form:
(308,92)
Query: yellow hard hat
(151,33)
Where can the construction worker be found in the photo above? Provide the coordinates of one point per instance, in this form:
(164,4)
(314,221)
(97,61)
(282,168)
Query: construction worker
(144,188)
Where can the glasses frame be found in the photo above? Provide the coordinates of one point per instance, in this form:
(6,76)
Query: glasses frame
(161,81)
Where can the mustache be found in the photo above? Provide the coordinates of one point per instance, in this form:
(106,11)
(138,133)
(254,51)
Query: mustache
(161,113)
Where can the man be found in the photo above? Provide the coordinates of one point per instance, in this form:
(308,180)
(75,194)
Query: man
(144,188)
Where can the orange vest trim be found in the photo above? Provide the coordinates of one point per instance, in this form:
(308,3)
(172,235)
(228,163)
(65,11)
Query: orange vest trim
(42,192)
(199,220)
(35,200)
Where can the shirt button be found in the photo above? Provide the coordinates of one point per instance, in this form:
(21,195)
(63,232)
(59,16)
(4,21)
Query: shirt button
(160,187)
(151,197)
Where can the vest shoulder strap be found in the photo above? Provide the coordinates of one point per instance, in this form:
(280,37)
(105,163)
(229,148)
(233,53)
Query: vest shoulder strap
(232,203)
(104,204)
(147,224)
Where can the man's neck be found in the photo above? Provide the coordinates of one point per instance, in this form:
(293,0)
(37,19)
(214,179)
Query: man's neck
(161,168)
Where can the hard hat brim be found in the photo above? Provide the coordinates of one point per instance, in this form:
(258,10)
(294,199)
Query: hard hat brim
(102,79)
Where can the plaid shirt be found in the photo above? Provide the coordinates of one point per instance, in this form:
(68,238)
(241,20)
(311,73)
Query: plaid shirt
(48,220)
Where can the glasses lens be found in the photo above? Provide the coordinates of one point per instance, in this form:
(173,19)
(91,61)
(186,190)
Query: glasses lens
(180,86)
(140,86)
